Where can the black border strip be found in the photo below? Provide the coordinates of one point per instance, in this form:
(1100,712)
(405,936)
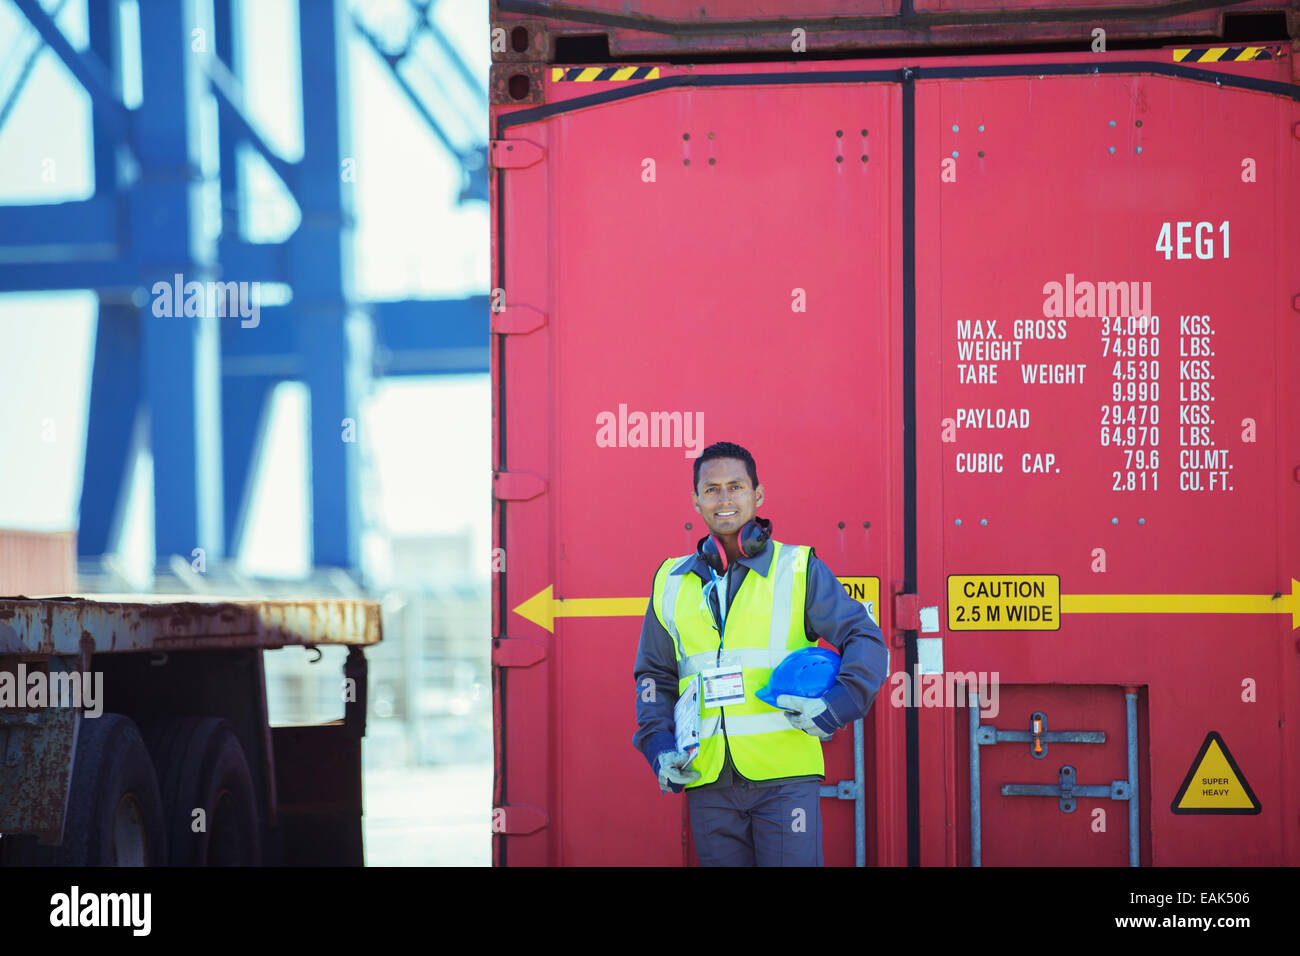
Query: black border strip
(1232,80)
(695,79)
(911,717)
(502,603)
(907,20)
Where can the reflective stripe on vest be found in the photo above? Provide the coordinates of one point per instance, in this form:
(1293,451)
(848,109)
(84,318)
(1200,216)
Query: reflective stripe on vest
(764,624)
(668,599)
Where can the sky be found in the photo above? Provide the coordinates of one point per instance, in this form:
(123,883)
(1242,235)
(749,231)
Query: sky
(427,440)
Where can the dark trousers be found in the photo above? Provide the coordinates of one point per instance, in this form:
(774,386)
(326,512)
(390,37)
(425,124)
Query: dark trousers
(746,825)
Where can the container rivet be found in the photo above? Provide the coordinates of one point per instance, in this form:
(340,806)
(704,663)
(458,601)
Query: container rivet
(841,525)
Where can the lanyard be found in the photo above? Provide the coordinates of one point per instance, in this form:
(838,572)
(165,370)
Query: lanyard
(722,599)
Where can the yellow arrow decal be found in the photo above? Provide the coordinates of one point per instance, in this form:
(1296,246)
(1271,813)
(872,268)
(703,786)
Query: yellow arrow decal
(542,608)
(1186,604)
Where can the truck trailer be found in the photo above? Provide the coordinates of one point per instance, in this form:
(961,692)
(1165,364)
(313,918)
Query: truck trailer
(1003,299)
(134,731)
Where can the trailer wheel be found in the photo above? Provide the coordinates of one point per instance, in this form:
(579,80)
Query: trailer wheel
(202,767)
(115,814)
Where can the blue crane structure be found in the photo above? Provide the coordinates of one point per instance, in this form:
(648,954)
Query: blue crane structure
(145,224)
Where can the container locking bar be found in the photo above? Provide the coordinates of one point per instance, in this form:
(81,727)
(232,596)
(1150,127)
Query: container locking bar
(1067,790)
(854,790)
(1038,736)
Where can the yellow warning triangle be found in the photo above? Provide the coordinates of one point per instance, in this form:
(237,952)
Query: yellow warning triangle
(1215,784)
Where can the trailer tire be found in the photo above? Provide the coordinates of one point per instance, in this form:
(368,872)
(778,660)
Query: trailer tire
(114,813)
(201,766)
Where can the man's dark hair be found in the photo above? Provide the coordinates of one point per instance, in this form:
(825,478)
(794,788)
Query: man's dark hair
(725,449)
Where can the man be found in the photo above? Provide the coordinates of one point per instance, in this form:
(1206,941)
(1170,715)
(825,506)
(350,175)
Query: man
(717,623)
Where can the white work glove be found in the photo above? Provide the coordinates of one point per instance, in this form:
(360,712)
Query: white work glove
(800,711)
(674,768)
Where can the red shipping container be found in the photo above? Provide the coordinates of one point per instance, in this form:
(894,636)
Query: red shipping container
(37,562)
(1009,333)
(539,31)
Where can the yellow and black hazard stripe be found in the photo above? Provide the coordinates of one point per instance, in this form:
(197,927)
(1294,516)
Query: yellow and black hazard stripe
(1223,54)
(588,74)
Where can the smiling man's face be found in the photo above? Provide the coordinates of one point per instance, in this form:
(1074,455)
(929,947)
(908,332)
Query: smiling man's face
(725,497)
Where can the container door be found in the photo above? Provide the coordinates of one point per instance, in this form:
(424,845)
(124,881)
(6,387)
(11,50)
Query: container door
(1106,267)
(712,263)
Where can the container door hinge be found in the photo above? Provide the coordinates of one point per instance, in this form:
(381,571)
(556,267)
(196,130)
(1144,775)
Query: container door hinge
(844,790)
(517,485)
(517,320)
(517,819)
(517,652)
(907,615)
(515,153)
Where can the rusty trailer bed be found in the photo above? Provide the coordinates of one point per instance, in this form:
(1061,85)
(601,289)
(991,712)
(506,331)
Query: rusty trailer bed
(109,623)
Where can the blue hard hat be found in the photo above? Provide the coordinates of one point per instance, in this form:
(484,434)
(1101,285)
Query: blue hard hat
(810,672)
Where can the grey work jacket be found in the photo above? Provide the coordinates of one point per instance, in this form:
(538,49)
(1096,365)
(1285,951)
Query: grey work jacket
(829,612)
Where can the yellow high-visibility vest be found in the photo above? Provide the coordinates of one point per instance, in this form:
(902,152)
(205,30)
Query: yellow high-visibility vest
(763,624)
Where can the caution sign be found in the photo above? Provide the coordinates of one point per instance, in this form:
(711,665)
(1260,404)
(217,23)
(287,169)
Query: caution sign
(1004,602)
(1215,784)
(866,590)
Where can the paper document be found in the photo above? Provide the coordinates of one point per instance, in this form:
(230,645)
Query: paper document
(687,717)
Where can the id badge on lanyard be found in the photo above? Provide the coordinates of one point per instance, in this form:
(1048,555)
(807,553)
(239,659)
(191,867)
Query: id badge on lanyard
(723,685)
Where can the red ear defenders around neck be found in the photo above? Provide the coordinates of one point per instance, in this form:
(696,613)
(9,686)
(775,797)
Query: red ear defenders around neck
(752,540)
